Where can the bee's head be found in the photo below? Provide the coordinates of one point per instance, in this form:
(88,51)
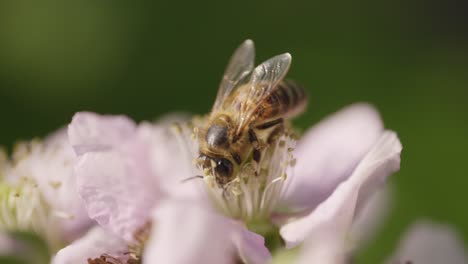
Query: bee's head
(222,168)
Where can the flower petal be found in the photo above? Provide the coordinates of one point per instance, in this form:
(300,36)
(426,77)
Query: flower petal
(430,243)
(92,132)
(251,247)
(114,174)
(124,170)
(329,152)
(336,214)
(190,232)
(324,248)
(9,245)
(118,188)
(171,152)
(371,217)
(94,244)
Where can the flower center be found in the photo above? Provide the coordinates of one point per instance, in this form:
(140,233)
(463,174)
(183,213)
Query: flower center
(24,209)
(257,188)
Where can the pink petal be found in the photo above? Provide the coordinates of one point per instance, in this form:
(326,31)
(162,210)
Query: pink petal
(430,243)
(124,170)
(336,214)
(368,221)
(92,132)
(114,174)
(329,152)
(170,158)
(118,188)
(190,232)
(94,244)
(251,247)
(325,248)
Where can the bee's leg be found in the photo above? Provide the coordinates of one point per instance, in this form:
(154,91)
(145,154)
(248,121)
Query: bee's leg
(269,124)
(256,145)
(274,127)
(253,137)
(277,131)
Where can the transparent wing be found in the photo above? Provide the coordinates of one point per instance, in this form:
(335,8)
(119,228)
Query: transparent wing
(263,81)
(239,67)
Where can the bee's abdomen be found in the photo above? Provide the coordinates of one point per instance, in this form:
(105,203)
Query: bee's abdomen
(288,100)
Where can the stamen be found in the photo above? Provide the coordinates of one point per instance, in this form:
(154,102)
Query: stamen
(257,187)
(256,190)
(24,209)
(140,237)
(106,259)
(267,188)
(63,215)
(134,253)
(55,184)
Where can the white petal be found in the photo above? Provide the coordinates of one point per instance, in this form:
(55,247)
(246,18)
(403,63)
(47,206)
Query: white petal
(336,214)
(251,247)
(329,152)
(95,243)
(114,174)
(171,152)
(325,248)
(430,243)
(190,232)
(368,221)
(92,132)
(124,170)
(117,190)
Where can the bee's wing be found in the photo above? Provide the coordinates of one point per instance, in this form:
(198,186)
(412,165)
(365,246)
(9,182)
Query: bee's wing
(239,68)
(263,81)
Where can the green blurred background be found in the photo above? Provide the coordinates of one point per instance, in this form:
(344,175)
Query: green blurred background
(146,58)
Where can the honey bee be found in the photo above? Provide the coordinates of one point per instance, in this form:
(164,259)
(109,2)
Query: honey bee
(250,111)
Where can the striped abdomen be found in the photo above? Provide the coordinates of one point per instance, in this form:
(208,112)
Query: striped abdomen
(287,100)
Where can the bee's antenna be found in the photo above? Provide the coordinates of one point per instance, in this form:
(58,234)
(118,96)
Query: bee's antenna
(191,178)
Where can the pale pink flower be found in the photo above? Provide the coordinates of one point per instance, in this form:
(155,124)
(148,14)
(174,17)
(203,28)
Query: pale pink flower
(130,176)
(430,243)
(424,242)
(38,192)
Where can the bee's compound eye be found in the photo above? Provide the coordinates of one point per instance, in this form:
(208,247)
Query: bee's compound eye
(224,168)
